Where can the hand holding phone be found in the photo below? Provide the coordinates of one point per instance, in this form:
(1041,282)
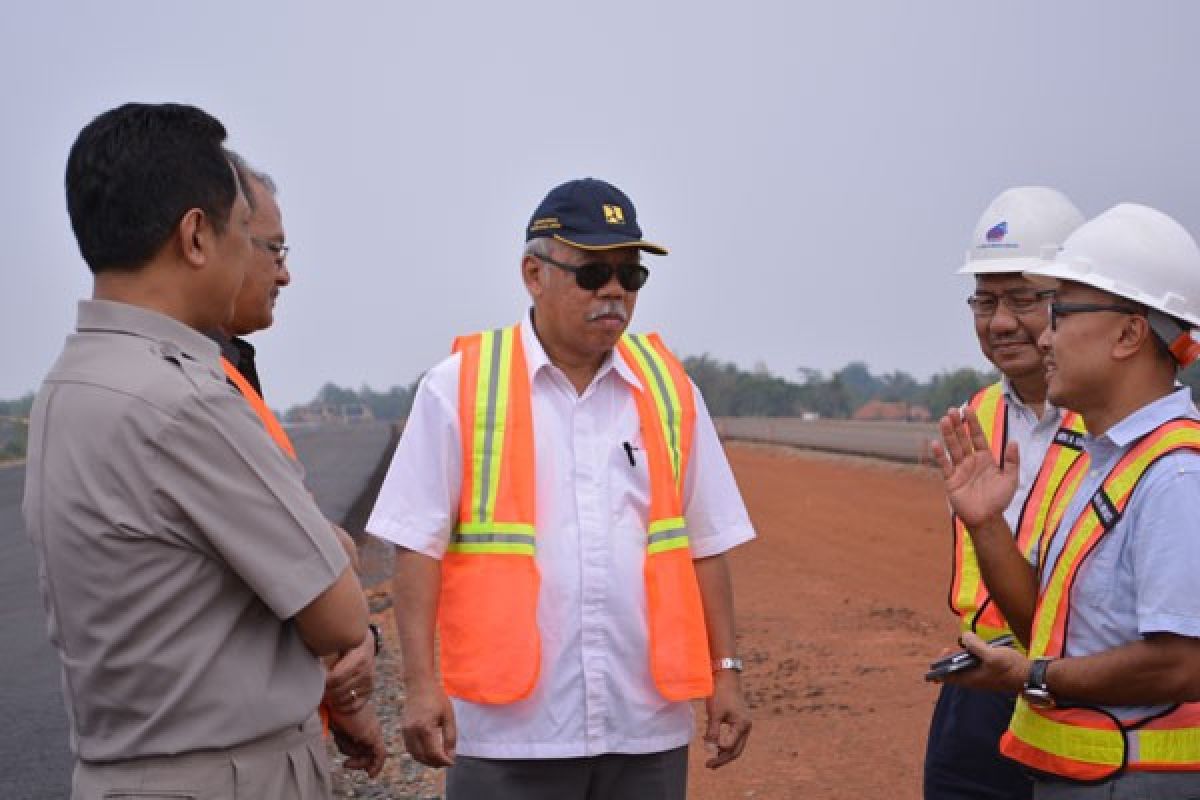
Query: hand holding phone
(963,659)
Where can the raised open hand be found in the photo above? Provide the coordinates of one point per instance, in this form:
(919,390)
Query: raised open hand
(977,487)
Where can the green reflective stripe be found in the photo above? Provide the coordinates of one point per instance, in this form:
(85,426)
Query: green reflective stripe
(665,398)
(491,417)
(492,538)
(498,422)
(482,436)
(674,543)
(494,527)
(496,548)
(666,525)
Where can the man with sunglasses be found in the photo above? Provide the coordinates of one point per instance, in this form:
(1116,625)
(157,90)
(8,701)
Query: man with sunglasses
(1019,228)
(1110,608)
(562,506)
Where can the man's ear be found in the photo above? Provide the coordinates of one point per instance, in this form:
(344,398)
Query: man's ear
(1135,334)
(531,273)
(195,237)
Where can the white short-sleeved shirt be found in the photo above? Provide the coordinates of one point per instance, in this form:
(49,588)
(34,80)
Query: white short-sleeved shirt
(1141,576)
(595,694)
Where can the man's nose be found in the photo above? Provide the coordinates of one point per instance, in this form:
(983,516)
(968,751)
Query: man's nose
(1003,320)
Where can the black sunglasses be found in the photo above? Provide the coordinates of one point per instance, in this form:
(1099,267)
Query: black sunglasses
(1059,310)
(593,275)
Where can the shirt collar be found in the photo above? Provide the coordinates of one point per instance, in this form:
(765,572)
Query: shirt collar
(114,317)
(1176,404)
(1013,399)
(536,358)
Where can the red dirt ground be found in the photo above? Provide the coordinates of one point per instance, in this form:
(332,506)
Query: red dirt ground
(841,606)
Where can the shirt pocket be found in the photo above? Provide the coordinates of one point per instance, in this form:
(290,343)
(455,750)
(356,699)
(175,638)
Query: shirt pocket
(1097,575)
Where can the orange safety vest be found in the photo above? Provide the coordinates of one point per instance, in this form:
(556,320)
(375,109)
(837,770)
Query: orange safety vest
(1080,742)
(274,429)
(969,597)
(487,612)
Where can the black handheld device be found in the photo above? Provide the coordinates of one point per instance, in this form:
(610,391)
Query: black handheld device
(963,659)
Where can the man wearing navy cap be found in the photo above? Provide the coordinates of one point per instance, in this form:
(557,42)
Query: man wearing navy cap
(562,507)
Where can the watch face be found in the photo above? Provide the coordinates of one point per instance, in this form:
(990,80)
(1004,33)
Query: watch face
(1038,698)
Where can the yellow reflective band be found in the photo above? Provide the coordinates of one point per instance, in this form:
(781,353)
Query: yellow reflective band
(1058,471)
(674,543)
(469,528)
(498,548)
(656,375)
(666,524)
(490,421)
(480,479)
(1089,745)
(1178,746)
(500,421)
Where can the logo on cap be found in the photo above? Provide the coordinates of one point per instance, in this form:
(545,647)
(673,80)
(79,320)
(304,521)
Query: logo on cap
(613,215)
(998,231)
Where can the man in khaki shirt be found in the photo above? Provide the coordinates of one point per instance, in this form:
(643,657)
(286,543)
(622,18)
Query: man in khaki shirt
(189,580)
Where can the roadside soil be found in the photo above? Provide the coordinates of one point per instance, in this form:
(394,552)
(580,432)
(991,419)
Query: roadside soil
(841,606)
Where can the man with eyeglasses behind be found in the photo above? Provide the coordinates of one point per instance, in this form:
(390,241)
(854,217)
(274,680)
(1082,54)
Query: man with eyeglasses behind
(1021,227)
(351,677)
(562,507)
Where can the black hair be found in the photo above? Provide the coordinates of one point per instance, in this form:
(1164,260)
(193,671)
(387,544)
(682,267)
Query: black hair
(132,174)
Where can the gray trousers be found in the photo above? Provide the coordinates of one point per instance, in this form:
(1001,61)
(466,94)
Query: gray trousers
(1129,786)
(288,765)
(613,776)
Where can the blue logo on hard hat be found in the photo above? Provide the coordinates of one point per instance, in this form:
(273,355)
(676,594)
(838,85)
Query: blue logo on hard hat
(998,231)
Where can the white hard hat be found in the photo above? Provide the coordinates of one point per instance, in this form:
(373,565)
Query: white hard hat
(1020,229)
(1138,253)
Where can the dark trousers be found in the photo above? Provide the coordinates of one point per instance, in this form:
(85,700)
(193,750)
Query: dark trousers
(613,776)
(962,756)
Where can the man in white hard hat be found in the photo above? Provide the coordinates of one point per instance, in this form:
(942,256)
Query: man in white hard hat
(1109,687)
(1018,230)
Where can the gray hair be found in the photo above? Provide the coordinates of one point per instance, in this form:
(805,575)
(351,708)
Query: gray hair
(247,173)
(538,247)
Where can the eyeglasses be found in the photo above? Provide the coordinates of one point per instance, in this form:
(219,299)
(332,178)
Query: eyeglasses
(1018,301)
(279,250)
(1058,310)
(595,274)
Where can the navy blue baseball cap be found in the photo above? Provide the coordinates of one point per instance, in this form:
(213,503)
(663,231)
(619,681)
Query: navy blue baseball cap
(589,214)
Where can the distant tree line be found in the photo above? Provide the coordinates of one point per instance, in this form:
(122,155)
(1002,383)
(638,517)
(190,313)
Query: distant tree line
(392,404)
(733,392)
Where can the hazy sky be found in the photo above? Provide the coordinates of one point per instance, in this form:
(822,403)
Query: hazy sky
(815,168)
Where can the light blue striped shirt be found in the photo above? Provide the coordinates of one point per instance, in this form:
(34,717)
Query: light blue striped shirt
(1142,576)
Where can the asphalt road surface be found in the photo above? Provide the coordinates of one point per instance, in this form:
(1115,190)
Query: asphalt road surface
(35,762)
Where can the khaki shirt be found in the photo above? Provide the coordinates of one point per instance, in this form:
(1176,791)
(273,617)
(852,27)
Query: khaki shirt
(175,542)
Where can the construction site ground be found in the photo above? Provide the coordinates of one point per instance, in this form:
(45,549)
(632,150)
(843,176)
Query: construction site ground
(841,606)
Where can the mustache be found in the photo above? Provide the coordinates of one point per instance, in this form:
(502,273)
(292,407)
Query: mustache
(608,308)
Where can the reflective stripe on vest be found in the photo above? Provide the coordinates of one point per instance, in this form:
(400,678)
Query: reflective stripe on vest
(487,614)
(679,655)
(1083,743)
(969,597)
(259,406)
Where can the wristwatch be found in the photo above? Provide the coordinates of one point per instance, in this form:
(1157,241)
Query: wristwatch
(1036,692)
(376,635)
(734,664)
